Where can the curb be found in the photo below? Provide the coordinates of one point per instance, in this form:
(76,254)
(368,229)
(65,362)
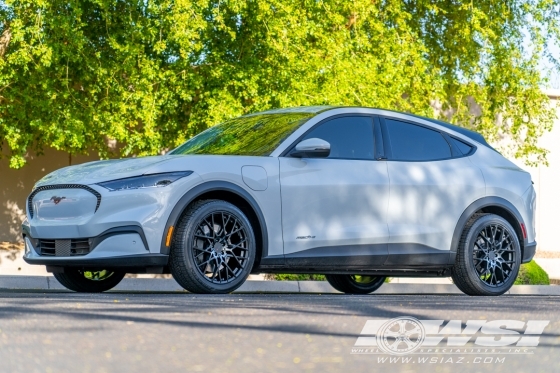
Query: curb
(49,283)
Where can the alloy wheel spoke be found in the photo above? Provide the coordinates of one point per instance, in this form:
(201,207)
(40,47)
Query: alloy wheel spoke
(493,276)
(228,268)
(206,262)
(484,258)
(503,248)
(509,251)
(219,237)
(204,249)
(479,247)
(215,267)
(486,240)
(232,233)
(210,228)
(238,262)
(496,265)
(238,245)
(493,234)
(225,223)
(503,275)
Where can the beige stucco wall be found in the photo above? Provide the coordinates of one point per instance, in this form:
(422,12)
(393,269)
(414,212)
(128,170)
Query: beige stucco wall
(15,186)
(547,186)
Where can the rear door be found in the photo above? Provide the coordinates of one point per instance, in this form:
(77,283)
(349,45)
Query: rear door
(334,209)
(432,182)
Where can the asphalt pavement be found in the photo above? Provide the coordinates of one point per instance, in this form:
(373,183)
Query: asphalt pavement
(172,332)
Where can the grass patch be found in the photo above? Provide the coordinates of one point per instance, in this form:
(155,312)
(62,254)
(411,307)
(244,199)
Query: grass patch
(289,277)
(532,274)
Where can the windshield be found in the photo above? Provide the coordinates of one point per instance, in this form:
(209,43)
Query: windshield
(257,135)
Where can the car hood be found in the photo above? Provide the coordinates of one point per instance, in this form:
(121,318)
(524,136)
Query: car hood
(99,171)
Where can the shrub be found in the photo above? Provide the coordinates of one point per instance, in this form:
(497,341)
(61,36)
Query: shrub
(532,274)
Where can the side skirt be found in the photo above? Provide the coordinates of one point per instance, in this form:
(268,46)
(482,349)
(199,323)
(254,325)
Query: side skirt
(397,260)
(435,272)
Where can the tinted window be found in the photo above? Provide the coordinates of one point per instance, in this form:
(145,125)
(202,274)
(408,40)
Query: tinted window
(257,134)
(350,137)
(415,143)
(464,148)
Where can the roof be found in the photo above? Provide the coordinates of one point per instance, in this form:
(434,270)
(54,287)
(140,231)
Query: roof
(299,109)
(318,109)
(463,131)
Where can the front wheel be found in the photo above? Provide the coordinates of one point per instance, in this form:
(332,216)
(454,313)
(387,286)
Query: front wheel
(213,249)
(355,284)
(84,281)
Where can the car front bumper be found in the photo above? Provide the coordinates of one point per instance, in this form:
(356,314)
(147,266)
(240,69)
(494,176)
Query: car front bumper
(126,226)
(120,247)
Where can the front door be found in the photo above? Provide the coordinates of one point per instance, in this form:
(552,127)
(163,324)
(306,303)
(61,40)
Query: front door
(334,209)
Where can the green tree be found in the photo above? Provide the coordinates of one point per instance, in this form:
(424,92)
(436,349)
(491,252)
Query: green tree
(75,74)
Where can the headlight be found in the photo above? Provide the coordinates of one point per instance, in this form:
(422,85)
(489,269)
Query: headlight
(145,181)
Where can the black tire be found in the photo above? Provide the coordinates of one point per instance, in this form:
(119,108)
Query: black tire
(212,261)
(355,284)
(88,281)
(488,256)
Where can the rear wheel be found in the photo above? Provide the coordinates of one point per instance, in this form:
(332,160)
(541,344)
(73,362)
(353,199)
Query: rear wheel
(488,256)
(84,281)
(355,284)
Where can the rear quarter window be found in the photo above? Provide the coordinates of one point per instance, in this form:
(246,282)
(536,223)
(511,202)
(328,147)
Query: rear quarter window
(464,148)
(410,142)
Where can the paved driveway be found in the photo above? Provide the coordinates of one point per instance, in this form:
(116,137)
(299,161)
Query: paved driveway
(119,332)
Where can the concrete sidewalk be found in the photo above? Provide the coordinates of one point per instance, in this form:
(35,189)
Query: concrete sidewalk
(49,283)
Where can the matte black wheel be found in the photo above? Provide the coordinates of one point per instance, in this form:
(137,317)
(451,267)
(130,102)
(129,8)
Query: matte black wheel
(355,284)
(488,256)
(84,281)
(213,249)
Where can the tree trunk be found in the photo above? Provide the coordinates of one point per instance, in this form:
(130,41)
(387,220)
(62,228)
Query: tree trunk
(5,39)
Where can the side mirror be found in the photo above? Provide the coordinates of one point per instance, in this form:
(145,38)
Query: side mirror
(312,148)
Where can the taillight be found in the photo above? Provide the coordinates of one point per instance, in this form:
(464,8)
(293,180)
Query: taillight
(524,230)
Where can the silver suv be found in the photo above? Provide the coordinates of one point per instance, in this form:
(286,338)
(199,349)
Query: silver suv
(357,194)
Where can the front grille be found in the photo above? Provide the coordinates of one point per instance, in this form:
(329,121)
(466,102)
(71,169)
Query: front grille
(47,247)
(60,186)
(74,247)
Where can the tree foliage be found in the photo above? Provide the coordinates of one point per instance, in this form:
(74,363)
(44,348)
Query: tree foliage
(76,74)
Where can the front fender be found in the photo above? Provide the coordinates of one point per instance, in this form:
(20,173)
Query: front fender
(213,186)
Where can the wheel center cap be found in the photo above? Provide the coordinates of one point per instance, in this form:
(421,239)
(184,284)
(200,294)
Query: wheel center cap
(218,247)
(491,255)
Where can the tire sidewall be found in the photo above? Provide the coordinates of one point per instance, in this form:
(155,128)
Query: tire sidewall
(367,288)
(74,279)
(186,240)
(345,284)
(467,253)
